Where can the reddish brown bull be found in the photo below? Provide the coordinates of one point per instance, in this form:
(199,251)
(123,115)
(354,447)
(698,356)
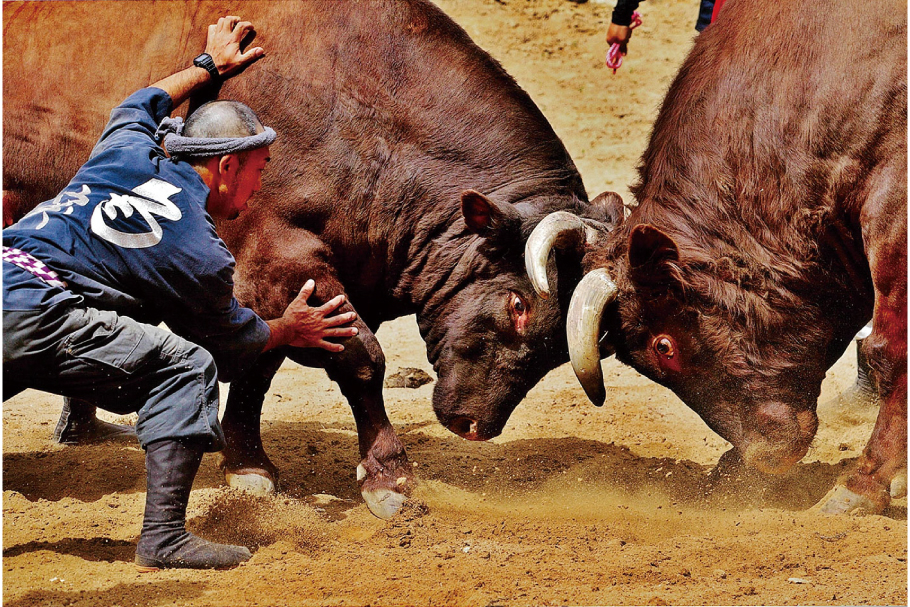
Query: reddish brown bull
(391,122)
(772,224)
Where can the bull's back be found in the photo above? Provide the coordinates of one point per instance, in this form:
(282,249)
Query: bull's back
(385,110)
(786,104)
(66,65)
(392,112)
(815,81)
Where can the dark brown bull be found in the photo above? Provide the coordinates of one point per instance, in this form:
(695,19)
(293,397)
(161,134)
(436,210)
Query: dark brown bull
(771,226)
(390,121)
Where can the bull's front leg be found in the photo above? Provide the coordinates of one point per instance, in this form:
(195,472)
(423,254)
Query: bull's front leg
(882,469)
(270,275)
(384,474)
(244,461)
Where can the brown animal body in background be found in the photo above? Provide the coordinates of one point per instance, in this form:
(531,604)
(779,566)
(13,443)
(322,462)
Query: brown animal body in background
(390,121)
(771,226)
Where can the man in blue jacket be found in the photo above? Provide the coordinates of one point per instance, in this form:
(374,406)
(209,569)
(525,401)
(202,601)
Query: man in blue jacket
(131,243)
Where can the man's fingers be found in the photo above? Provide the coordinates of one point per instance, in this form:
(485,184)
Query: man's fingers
(247,39)
(341,332)
(332,305)
(241,30)
(327,345)
(254,54)
(229,42)
(228,22)
(306,290)
(340,319)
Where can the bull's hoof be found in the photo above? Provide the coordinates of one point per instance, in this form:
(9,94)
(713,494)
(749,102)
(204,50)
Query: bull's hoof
(730,470)
(259,483)
(899,485)
(841,500)
(383,501)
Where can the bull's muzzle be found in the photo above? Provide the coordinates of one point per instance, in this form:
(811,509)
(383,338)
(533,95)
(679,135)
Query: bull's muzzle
(465,427)
(780,437)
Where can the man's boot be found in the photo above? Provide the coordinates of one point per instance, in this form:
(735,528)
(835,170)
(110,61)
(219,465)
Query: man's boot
(165,542)
(79,425)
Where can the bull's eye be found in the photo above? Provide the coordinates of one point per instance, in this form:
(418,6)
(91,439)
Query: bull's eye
(665,346)
(518,310)
(518,305)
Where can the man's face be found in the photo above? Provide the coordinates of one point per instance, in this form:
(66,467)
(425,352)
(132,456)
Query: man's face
(246,181)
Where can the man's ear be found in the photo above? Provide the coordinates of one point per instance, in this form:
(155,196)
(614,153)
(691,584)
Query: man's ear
(487,217)
(228,166)
(653,257)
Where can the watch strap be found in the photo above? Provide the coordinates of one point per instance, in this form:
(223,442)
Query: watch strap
(206,62)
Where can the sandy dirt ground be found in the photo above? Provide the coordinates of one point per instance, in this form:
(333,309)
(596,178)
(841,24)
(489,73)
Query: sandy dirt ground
(571,505)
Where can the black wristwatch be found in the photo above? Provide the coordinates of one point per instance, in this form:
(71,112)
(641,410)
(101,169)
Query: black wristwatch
(206,62)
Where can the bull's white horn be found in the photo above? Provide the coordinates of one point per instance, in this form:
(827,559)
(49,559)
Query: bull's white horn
(592,295)
(559,229)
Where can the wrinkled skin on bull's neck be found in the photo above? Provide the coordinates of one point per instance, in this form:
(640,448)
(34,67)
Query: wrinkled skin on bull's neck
(386,113)
(771,227)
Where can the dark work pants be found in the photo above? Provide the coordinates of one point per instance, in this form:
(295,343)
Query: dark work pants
(119,365)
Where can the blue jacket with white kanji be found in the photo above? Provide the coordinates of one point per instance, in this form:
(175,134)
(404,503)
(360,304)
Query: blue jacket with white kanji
(130,233)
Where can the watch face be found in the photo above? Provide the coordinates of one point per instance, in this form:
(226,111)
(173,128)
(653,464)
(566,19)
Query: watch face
(206,62)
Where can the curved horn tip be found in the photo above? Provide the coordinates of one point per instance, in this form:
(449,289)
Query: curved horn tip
(543,238)
(592,295)
(597,394)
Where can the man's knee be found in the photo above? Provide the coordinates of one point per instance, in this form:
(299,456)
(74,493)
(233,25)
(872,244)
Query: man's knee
(202,362)
(186,406)
(194,373)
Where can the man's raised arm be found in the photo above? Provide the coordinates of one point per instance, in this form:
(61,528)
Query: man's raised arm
(223,46)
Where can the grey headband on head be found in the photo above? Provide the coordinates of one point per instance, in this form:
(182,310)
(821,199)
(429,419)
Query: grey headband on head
(170,130)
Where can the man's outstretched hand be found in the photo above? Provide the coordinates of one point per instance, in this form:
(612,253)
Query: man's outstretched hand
(225,43)
(304,326)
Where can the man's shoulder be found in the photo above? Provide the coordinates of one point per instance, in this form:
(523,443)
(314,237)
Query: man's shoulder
(151,99)
(135,121)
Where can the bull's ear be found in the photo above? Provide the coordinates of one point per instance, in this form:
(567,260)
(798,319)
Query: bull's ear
(607,208)
(653,256)
(485,217)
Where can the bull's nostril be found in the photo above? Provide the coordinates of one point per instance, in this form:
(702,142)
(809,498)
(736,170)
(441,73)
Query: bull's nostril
(464,426)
